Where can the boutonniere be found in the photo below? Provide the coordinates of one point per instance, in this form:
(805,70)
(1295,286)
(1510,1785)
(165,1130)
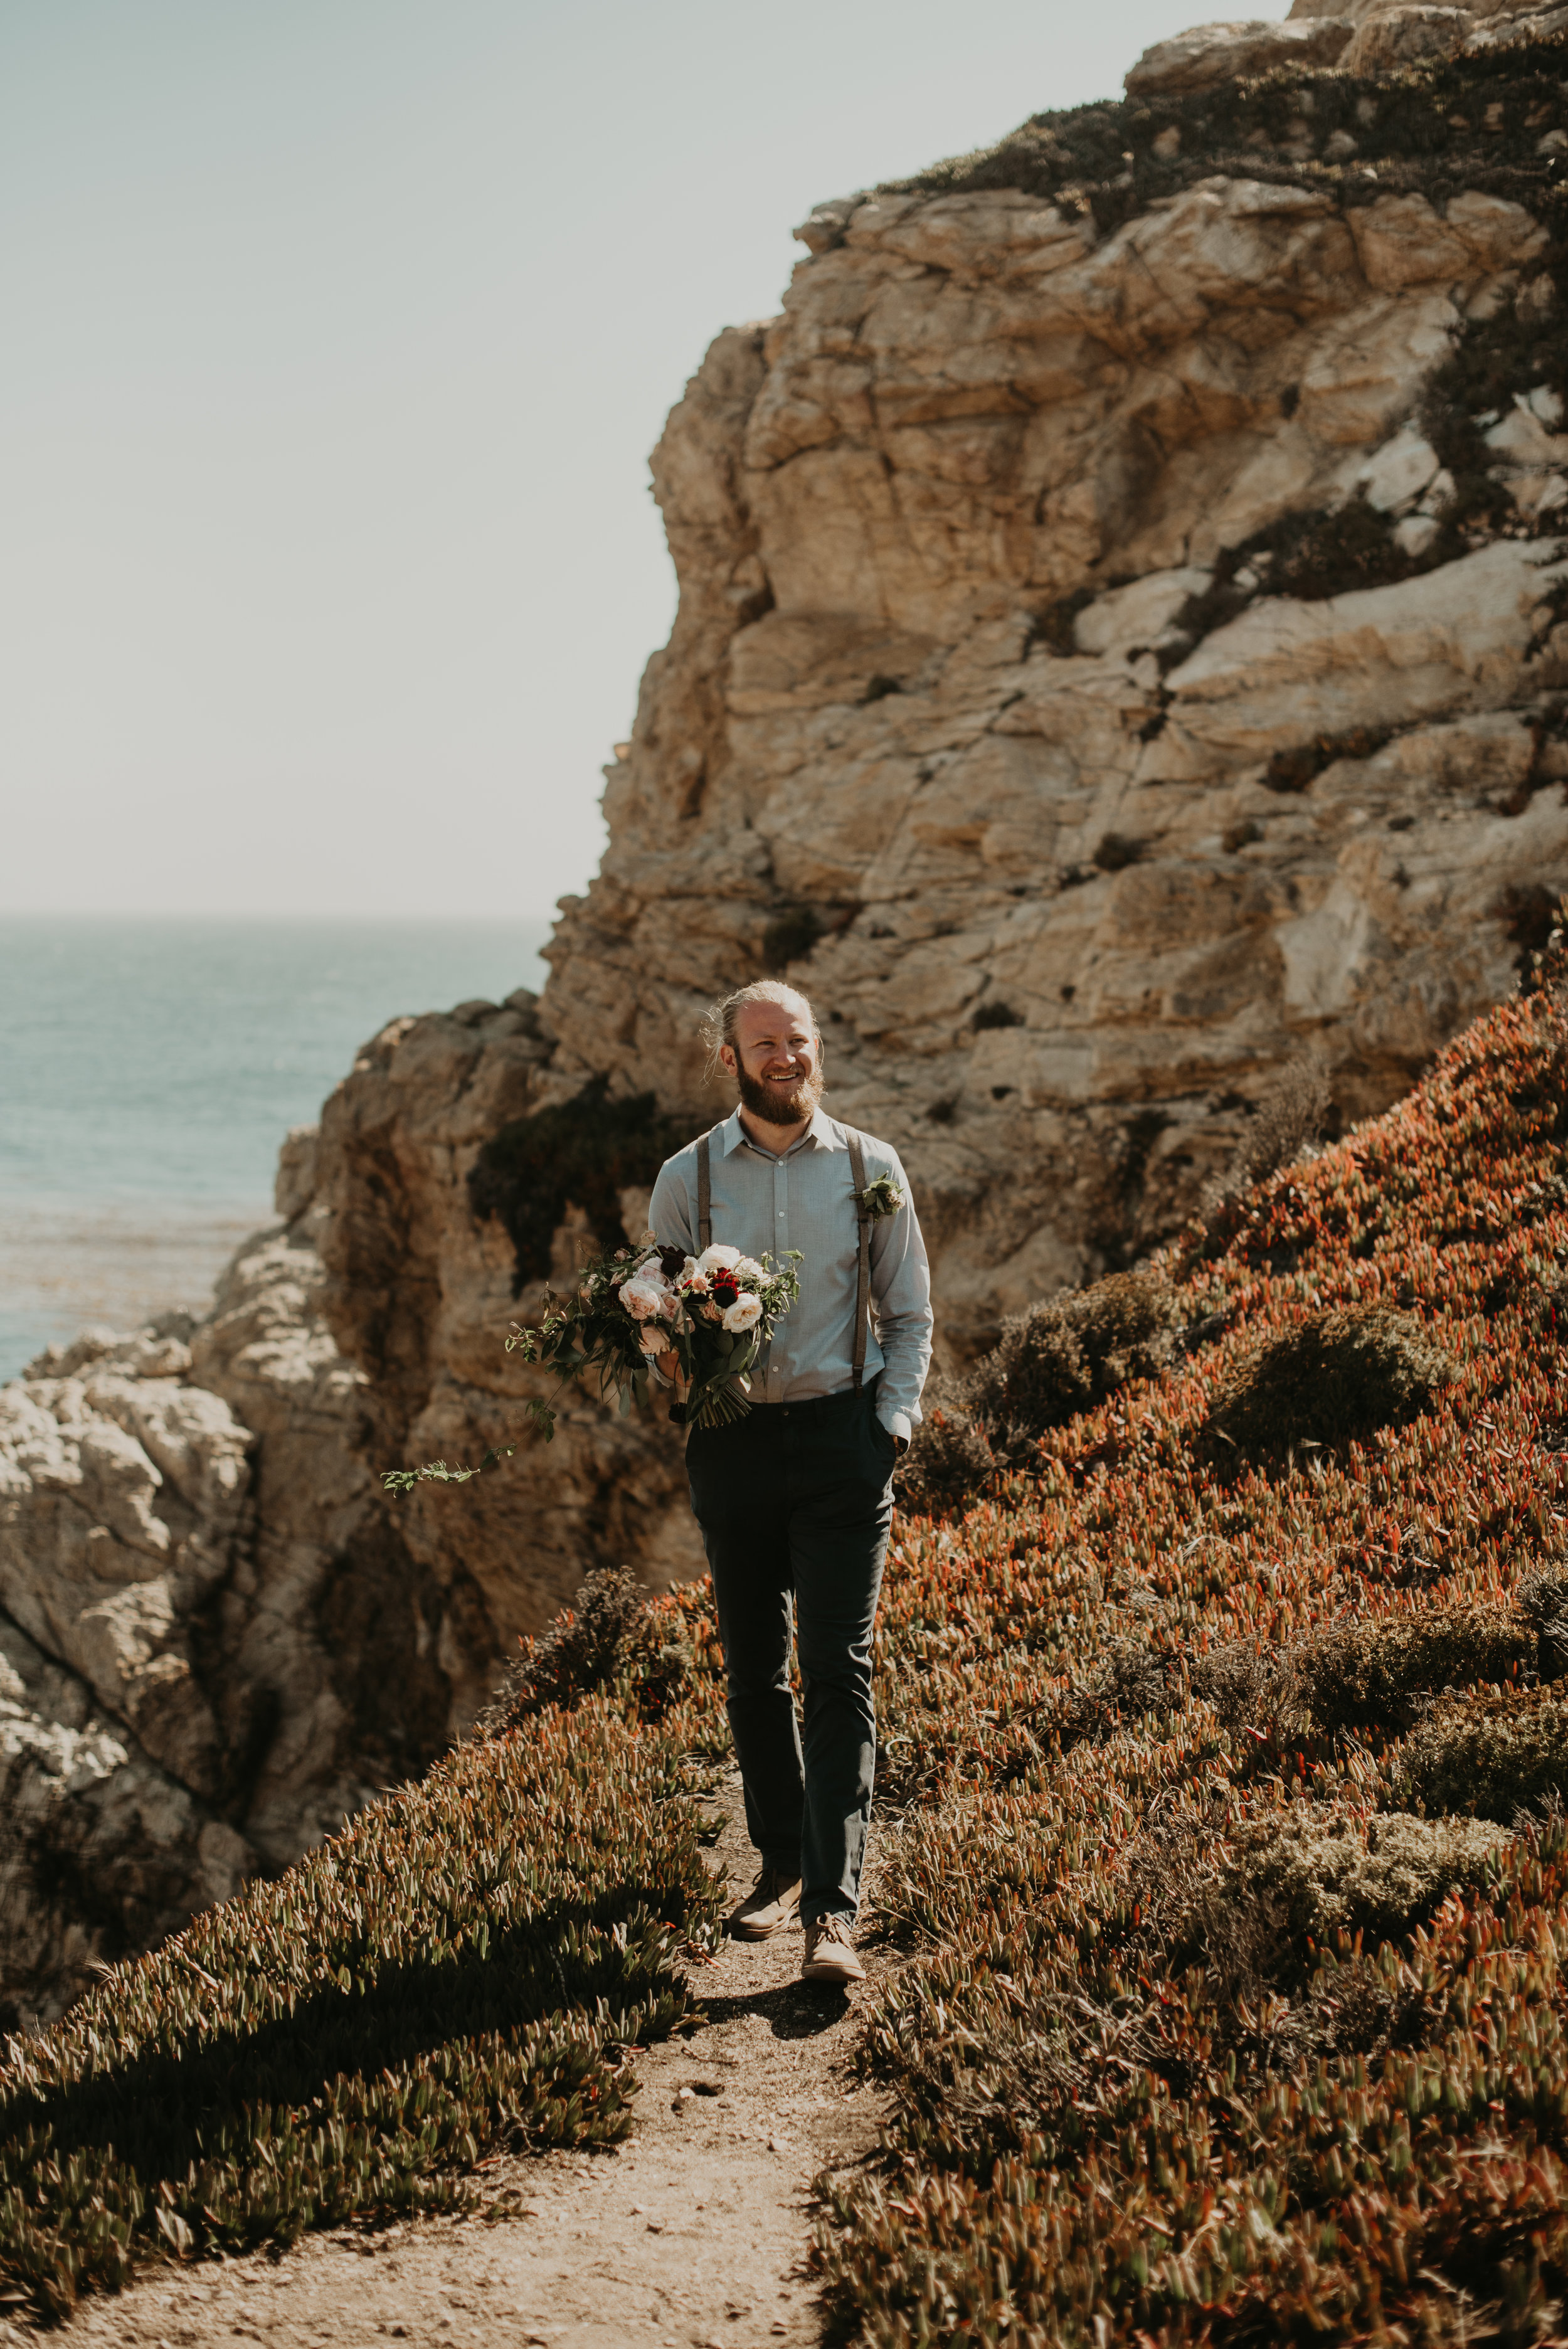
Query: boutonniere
(883,1197)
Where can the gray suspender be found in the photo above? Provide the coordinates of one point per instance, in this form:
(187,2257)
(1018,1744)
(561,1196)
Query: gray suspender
(863,1219)
(863,1267)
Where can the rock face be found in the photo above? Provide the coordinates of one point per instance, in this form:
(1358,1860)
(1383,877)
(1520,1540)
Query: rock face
(1100,674)
(945,684)
(217,1637)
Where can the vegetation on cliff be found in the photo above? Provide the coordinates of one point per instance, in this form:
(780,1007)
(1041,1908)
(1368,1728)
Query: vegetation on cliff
(1438,129)
(581,1152)
(1242,2018)
(1489,123)
(1224,1795)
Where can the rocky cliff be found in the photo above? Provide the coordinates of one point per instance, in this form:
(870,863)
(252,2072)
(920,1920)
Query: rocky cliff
(1119,649)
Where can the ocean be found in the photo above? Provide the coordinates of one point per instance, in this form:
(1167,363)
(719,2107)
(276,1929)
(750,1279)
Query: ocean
(148,1071)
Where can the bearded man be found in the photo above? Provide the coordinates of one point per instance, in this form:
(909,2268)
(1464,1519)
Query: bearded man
(795,1500)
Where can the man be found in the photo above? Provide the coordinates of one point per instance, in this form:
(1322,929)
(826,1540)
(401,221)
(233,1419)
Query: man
(795,1500)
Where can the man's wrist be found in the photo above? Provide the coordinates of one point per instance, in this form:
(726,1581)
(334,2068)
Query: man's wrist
(897,1426)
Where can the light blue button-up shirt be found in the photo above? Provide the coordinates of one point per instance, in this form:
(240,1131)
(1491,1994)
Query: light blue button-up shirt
(806,1200)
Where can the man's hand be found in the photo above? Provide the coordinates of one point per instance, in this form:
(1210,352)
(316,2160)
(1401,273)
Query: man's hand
(670,1363)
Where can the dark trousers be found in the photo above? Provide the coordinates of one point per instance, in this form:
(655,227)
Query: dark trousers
(795,1502)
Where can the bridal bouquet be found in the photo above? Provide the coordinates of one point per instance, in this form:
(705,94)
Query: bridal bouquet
(703,1319)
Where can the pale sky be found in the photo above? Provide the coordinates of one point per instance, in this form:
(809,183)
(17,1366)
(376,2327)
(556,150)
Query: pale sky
(337,334)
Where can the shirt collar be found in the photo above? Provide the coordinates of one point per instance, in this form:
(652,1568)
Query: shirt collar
(823,1131)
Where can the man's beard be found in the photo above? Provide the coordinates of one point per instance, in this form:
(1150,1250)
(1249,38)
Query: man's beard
(781,1104)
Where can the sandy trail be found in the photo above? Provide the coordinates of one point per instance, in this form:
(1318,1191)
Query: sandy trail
(693,2232)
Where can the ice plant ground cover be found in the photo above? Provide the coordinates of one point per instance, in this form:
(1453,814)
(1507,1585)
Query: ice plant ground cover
(1224,1734)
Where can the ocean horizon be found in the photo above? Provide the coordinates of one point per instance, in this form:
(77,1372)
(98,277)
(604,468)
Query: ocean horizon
(149,1067)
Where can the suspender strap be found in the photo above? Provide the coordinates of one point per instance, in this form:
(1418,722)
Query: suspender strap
(704,1197)
(863,1265)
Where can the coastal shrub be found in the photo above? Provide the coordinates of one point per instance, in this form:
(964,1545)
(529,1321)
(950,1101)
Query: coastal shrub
(1062,1358)
(1541,1597)
(1295,1883)
(1339,1375)
(583,1153)
(1285,1128)
(1116,850)
(948,1458)
(996,1014)
(1493,1754)
(1133,1679)
(1438,129)
(612,1638)
(1358,1675)
(790,936)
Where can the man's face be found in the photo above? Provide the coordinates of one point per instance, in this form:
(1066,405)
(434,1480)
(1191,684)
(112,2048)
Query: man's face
(776,1062)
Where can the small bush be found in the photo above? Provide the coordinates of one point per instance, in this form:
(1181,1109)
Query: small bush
(1286,1128)
(611,1637)
(1298,768)
(1491,1756)
(1339,1376)
(1062,1358)
(1238,1679)
(790,936)
(1133,1679)
(948,1458)
(584,1154)
(1376,1674)
(1542,1600)
(1298,1881)
(996,1014)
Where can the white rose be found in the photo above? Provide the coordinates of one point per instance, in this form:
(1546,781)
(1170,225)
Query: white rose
(641,1299)
(747,1268)
(719,1258)
(743,1313)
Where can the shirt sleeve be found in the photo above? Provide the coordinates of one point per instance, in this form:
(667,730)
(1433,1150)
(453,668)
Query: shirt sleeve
(669,1209)
(901,1283)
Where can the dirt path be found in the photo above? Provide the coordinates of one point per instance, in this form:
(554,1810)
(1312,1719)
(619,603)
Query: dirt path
(694,2232)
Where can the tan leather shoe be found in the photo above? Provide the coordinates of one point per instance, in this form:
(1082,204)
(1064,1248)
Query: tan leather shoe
(830,1958)
(773,1902)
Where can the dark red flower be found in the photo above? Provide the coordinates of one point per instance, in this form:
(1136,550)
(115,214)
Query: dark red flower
(724,1288)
